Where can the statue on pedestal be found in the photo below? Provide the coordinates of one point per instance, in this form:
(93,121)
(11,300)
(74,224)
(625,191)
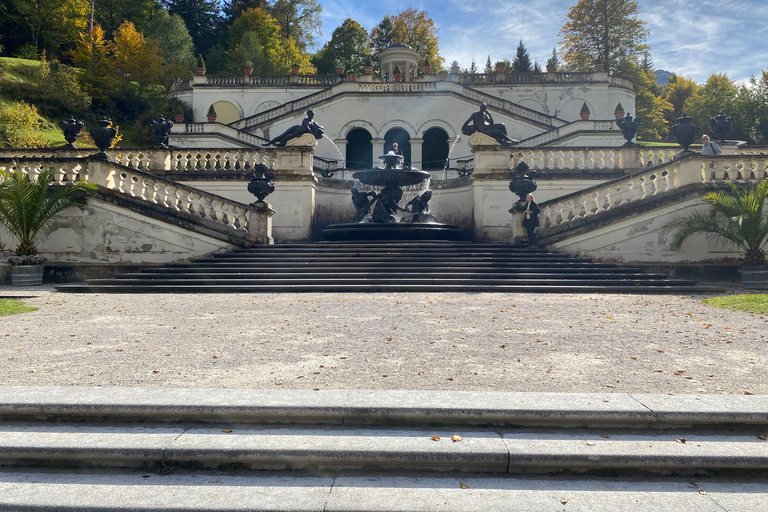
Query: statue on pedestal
(482,122)
(307,126)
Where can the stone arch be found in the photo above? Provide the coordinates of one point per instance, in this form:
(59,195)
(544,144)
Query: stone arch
(533,104)
(399,123)
(357,123)
(359,149)
(434,148)
(438,123)
(569,109)
(264,106)
(227,111)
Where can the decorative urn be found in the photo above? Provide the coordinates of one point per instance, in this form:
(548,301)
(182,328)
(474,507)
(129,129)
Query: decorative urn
(721,126)
(522,182)
(261,184)
(103,134)
(161,128)
(71,129)
(628,127)
(685,131)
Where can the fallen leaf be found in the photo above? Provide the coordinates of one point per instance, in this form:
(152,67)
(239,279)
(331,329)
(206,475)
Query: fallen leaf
(456,439)
(590,443)
(682,440)
(761,437)
(748,393)
(659,370)
(226,430)
(155,371)
(435,438)
(278,383)
(464,486)
(702,492)
(563,501)
(451,378)
(145,476)
(606,400)
(606,436)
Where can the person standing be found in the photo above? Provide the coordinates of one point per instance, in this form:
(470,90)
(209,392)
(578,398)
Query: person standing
(531,218)
(709,148)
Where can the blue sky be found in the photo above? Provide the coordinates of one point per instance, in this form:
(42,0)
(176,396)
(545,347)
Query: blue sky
(695,38)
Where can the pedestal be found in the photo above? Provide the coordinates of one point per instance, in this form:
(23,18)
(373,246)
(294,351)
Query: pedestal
(260,223)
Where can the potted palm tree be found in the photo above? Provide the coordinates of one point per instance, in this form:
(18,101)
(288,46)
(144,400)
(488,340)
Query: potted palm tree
(26,209)
(737,218)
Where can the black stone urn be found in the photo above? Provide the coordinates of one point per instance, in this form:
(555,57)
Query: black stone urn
(721,126)
(628,127)
(522,182)
(161,127)
(71,129)
(103,135)
(685,131)
(261,184)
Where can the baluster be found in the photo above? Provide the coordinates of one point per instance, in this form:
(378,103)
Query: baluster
(121,182)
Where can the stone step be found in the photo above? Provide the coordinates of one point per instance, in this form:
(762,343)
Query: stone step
(390,275)
(154,287)
(274,491)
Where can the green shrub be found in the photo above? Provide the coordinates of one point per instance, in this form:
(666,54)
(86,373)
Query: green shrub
(27,52)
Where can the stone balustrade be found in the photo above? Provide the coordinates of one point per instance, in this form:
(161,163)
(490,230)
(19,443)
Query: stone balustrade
(286,108)
(210,210)
(645,184)
(508,106)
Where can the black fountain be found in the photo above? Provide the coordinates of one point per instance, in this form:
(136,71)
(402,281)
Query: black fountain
(385,222)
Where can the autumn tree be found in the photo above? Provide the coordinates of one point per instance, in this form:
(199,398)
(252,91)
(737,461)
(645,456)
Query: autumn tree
(606,31)
(716,95)
(234,8)
(522,62)
(348,47)
(651,108)
(136,58)
(679,90)
(299,20)
(92,55)
(382,35)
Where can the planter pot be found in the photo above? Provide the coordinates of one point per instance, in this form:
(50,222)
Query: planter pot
(26,275)
(550,68)
(618,114)
(754,278)
(599,67)
(178,118)
(295,69)
(397,76)
(200,72)
(352,77)
(584,116)
(211,118)
(369,70)
(455,70)
(247,70)
(339,70)
(500,69)
(442,77)
(426,70)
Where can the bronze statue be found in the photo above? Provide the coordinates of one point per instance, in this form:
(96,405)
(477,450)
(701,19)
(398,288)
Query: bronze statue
(161,128)
(482,121)
(420,208)
(387,205)
(307,126)
(362,204)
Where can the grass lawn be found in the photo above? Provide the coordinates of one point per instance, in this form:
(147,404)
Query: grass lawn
(754,303)
(13,307)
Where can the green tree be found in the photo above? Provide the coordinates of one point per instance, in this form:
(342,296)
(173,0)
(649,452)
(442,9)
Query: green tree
(234,8)
(348,46)
(652,109)
(606,31)
(488,66)
(138,59)
(299,20)
(382,35)
(717,95)
(175,43)
(110,14)
(50,23)
(249,51)
(522,62)
(202,19)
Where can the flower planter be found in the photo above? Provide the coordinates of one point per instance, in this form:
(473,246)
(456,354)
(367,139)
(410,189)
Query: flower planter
(26,275)
(599,68)
(618,114)
(352,77)
(178,118)
(200,71)
(397,76)
(442,77)
(426,70)
(339,70)
(247,70)
(754,278)
(584,116)
(368,70)
(211,118)
(295,69)
(550,68)
(455,70)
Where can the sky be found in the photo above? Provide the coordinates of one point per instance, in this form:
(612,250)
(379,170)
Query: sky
(693,38)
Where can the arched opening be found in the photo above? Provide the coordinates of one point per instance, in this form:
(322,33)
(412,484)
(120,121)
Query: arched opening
(403,142)
(226,112)
(359,149)
(434,150)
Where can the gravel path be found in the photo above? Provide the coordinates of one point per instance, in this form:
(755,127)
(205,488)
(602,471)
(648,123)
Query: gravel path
(432,341)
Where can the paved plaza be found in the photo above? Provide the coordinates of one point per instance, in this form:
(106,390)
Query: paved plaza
(428,341)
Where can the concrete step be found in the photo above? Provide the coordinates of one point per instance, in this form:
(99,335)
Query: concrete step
(269,491)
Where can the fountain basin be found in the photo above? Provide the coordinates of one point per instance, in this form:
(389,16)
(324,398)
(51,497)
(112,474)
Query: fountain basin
(393,231)
(391,177)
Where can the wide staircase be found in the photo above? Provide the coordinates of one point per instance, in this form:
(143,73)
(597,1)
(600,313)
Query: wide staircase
(389,267)
(117,449)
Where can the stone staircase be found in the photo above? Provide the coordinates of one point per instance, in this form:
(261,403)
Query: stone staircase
(388,267)
(109,449)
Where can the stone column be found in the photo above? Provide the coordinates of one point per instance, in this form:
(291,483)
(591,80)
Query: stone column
(159,161)
(378,150)
(492,198)
(416,153)
(260,223)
